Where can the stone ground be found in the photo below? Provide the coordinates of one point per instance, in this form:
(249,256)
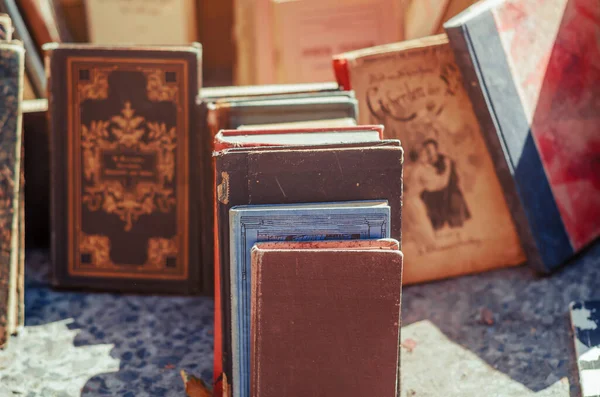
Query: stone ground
(502,333)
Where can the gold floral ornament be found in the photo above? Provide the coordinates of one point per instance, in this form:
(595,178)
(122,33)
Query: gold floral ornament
(123,135)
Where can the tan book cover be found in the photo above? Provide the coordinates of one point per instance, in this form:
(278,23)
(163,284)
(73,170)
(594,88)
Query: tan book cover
(423,17)
(141,21)
(455,218)
(309,32)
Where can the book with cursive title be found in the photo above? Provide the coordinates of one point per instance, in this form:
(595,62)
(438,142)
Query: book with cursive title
(452,194)
(124,209)
(532,71)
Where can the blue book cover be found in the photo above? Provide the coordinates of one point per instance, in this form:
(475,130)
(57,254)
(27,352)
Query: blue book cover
(291,222)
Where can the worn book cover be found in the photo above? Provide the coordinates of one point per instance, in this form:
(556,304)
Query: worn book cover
(532,70)
(264,135)
(585,320)
(304,174)
(307,33)
(124,207)
(293,222)
(34,66)
(165,22)
(12,63)
(325,320)
(452,193)
(6,28)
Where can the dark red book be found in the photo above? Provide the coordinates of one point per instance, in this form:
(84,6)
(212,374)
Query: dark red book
(325,319)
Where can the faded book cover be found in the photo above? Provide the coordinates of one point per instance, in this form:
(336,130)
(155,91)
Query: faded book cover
(123,206)
(585,322)
(343,305)
(532,69)
(294,222)
(326,28)
(303,174)
(452,193)
(138,21)
(11,277)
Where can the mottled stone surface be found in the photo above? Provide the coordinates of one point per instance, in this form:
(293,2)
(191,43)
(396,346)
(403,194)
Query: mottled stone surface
(507,331)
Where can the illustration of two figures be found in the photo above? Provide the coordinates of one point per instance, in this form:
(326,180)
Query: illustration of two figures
(432,192)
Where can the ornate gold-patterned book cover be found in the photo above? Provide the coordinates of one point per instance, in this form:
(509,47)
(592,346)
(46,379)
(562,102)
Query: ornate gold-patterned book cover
(12,63)
(124,185)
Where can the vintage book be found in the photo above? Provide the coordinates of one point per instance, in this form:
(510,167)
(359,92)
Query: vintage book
(293,222)
(6,28)
(42,20)
(137,21)
(452,193)
(34,67)
(233,113)
(307,33)
(11,278)
(311,136)
(585,321)
(303,174)
(326,319)
(261,136)
(215,23)
(124,209)
(341,122)
(36,165)
(212,93)
(531,69)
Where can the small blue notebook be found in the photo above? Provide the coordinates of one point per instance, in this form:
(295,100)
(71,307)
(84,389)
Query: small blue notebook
(287,222)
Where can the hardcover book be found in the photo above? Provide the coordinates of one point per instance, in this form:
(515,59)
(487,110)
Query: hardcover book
(302,174)
(138,21)
(532,70)
(11,271)
(326,28)
(36,166)
(585,320)
(293,222)
(124,201)
(326,319)
(452,193)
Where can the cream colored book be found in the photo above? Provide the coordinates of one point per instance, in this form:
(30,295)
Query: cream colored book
(308,33)
(141,21)
(455,219)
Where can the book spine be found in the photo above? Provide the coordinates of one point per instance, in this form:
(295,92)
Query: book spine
(11,79)
(465,59)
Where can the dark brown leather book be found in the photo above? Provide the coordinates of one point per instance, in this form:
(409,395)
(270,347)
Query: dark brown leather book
(123,150)
(287,175)
(325,319)
(36,164)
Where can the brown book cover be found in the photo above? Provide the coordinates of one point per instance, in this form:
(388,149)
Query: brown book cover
(124,212)
(325,319)
(453,193)
(287,175)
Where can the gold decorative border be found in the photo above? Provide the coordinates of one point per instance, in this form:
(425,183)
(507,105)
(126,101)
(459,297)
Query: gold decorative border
(181,271)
